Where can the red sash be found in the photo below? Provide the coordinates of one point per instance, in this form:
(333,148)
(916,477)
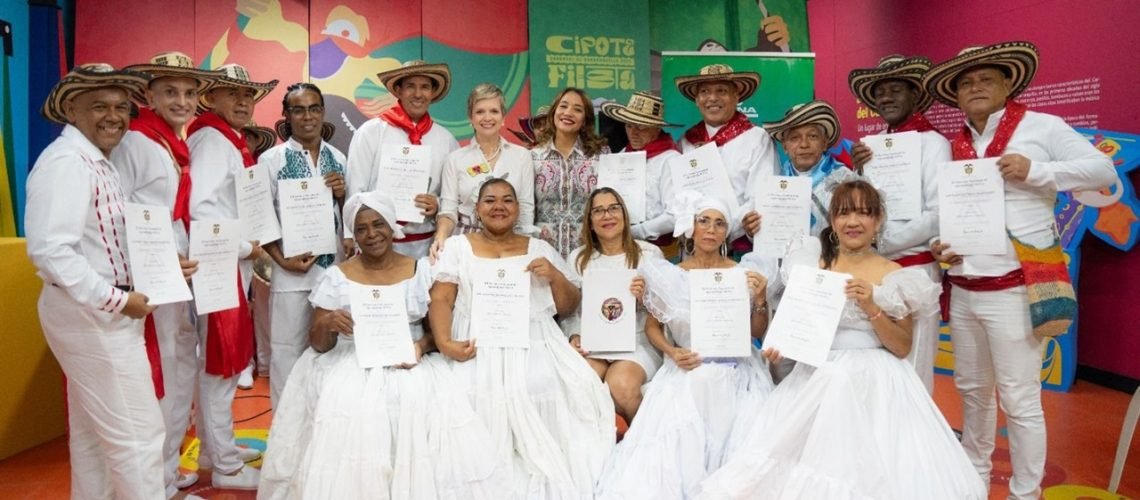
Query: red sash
(698,135)
(154,356)
(397,117)
(917,122)
(229,333)
(917,259)
(664,142)
(157,130)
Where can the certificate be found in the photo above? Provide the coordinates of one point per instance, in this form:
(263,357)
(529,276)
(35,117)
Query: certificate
(625,173)
(805,322)
(308,223)
(214,244)
(971,206)
(609,311)
(380,328)
(720,313)
(155,270)
(784,205)
(500,308)
(405,172)
(702,170)
(255,206)
(896,170)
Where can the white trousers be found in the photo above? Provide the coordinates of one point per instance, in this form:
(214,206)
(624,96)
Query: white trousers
(291,315)
(216,415)
(178,345)
(924,346)
(261,325)
(114,421)
(994,346)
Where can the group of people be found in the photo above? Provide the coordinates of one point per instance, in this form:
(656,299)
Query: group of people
(472,421)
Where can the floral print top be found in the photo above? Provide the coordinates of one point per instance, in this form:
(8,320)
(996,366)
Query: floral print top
(561,188)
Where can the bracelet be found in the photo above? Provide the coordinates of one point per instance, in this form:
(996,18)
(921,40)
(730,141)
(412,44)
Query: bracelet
(761,307)
(876,315)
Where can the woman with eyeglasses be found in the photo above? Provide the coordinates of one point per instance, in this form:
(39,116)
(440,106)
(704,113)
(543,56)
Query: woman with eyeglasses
(607,243)
(305,154)
(691,405)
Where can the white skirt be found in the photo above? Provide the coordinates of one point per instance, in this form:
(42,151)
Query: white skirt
(345,432)
(682,428)
(861,427)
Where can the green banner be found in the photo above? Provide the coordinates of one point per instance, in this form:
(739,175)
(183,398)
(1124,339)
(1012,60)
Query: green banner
(785,80)
(600,46)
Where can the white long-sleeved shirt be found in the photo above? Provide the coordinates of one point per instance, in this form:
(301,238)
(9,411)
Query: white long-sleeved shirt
(1060,160)
(747,158)
(909,237)
(458,189)
(364,159)
(659,194)
(149,176)
(74,222)
(214,166)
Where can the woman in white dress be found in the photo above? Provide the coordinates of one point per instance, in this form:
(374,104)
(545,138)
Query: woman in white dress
(487,155)
(550,419)
(691,405)
(861,426)
(607,243)
(400,431)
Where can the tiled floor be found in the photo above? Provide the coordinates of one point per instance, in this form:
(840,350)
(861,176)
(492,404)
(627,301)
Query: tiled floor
(1084,425)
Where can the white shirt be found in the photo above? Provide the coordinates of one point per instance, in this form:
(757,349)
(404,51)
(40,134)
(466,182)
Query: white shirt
(460,182)
(150,176)
(364,159)
(1060,160)
(214,165)
(659,193)
(275,159)
(909,237)
(74,222)
(747,158)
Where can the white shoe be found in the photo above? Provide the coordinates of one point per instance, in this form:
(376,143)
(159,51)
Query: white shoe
(184,481)
(245,478)
(248,454)
(245,380)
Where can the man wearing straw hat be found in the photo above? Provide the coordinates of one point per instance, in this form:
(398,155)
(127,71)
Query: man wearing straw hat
(747,150)
(154,169)
(894,90)
(417,85)
(88,309)
(1002,306)
(218,154)
(643,118)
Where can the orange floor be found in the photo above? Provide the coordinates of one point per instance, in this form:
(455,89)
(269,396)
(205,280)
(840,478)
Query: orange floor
(1084,425)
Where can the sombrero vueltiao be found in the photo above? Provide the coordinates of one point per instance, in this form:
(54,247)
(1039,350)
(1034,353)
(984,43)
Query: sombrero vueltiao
(746,81)
(644,109)
(437,73)
(893,67)
(88,77)
(327,130)
(812,113)
(259,139)
(1018,60)
(528,123)
(235,75)
(172,64)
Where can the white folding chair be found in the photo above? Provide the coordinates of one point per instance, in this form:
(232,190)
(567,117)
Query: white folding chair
(1125,442)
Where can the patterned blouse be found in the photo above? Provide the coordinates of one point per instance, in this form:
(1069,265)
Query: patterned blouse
(561,187)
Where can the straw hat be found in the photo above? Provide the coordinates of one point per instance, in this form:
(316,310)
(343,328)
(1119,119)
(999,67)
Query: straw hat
(892,67)
(327,130)
(746,81)
(1018,60)
(644,109)
(88,77)
(528,123)
(812,113)
(235,75)
(173,64)
(259,138)
(437,73)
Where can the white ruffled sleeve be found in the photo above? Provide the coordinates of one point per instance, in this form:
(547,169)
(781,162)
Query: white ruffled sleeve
(418,291)
(447,268)
(908,291)
(666,290)
(803,251)
(331,291)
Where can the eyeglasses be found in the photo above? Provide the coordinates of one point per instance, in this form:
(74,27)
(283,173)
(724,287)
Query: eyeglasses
(613,210)
(704,222)
(299,111)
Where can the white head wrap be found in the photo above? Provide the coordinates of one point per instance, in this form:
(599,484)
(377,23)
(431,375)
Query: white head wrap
(375,200)
(689,204)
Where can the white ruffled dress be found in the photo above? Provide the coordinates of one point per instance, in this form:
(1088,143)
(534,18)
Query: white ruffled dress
(683,425)
(644,354)
(341,431)
(860,427)
(550,419)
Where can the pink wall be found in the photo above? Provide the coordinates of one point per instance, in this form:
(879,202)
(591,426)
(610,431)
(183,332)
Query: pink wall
(1077,40)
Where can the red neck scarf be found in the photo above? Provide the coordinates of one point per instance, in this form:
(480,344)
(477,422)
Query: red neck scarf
(699,134)
(962,146)
(397,117)
(661,144)
(212,120)
(916,122)
(156,129)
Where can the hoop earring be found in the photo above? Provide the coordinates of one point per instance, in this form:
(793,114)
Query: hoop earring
(833,238)
(724,248)
(689,246)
